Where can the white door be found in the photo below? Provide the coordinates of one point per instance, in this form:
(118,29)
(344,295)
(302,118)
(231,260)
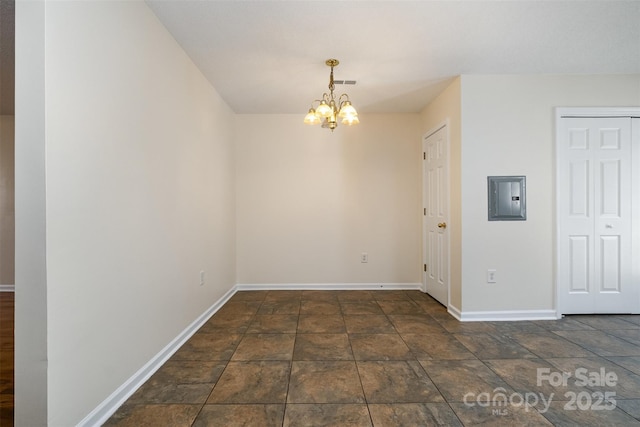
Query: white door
(595,205)
(436,214)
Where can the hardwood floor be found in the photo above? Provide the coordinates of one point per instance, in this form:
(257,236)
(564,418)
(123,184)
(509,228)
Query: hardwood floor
(7,302)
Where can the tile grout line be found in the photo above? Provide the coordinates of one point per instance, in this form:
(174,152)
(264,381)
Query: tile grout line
(295,339)
(355,362)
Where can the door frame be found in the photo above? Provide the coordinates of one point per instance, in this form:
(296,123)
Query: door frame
(600,112)
(443,124)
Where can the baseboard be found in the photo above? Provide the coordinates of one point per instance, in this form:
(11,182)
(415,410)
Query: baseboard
(7,288)
(327,286)
(109,406)
(454,311)
(507,315)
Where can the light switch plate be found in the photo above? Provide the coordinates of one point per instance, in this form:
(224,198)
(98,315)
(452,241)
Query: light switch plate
(491,276)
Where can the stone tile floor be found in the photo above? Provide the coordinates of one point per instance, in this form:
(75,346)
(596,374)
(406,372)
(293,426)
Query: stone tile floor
(390,358)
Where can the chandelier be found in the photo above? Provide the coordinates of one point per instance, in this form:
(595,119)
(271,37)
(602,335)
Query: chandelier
(329,110)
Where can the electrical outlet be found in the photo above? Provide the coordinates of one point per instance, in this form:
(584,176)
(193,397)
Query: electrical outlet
(491,276)
(201,278)
(364,257)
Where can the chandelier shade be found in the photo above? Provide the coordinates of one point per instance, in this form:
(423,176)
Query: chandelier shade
(350,120)
(311,118)
(324,110)
(329,108)
(347,110)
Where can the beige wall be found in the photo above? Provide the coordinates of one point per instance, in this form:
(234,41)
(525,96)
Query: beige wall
(7,207)
(309,201)
(508,129)
(446,109)
(139,199)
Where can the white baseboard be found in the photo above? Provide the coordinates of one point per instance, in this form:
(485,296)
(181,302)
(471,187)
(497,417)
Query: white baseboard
(327,286)
(454,311)
(109,406)
(497,316)
(507,315)
(7,288)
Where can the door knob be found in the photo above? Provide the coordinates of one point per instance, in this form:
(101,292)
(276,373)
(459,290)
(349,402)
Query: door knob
(442,225)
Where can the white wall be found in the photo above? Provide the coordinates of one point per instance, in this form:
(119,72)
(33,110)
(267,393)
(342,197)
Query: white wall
(309,201)
(7,206)
(30,331)
(139,198)
(508,129)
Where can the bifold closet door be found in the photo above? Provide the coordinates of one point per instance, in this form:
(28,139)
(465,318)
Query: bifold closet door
(595,216)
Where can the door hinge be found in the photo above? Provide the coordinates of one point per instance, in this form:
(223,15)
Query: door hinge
(424,155)
(424,211)
(425,267)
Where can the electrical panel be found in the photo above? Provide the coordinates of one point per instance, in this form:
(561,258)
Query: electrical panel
(507,198)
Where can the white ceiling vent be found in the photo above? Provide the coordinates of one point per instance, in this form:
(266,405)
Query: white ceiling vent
(344,82)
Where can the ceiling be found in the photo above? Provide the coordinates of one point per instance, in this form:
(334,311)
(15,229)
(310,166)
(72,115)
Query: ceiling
(268,56)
